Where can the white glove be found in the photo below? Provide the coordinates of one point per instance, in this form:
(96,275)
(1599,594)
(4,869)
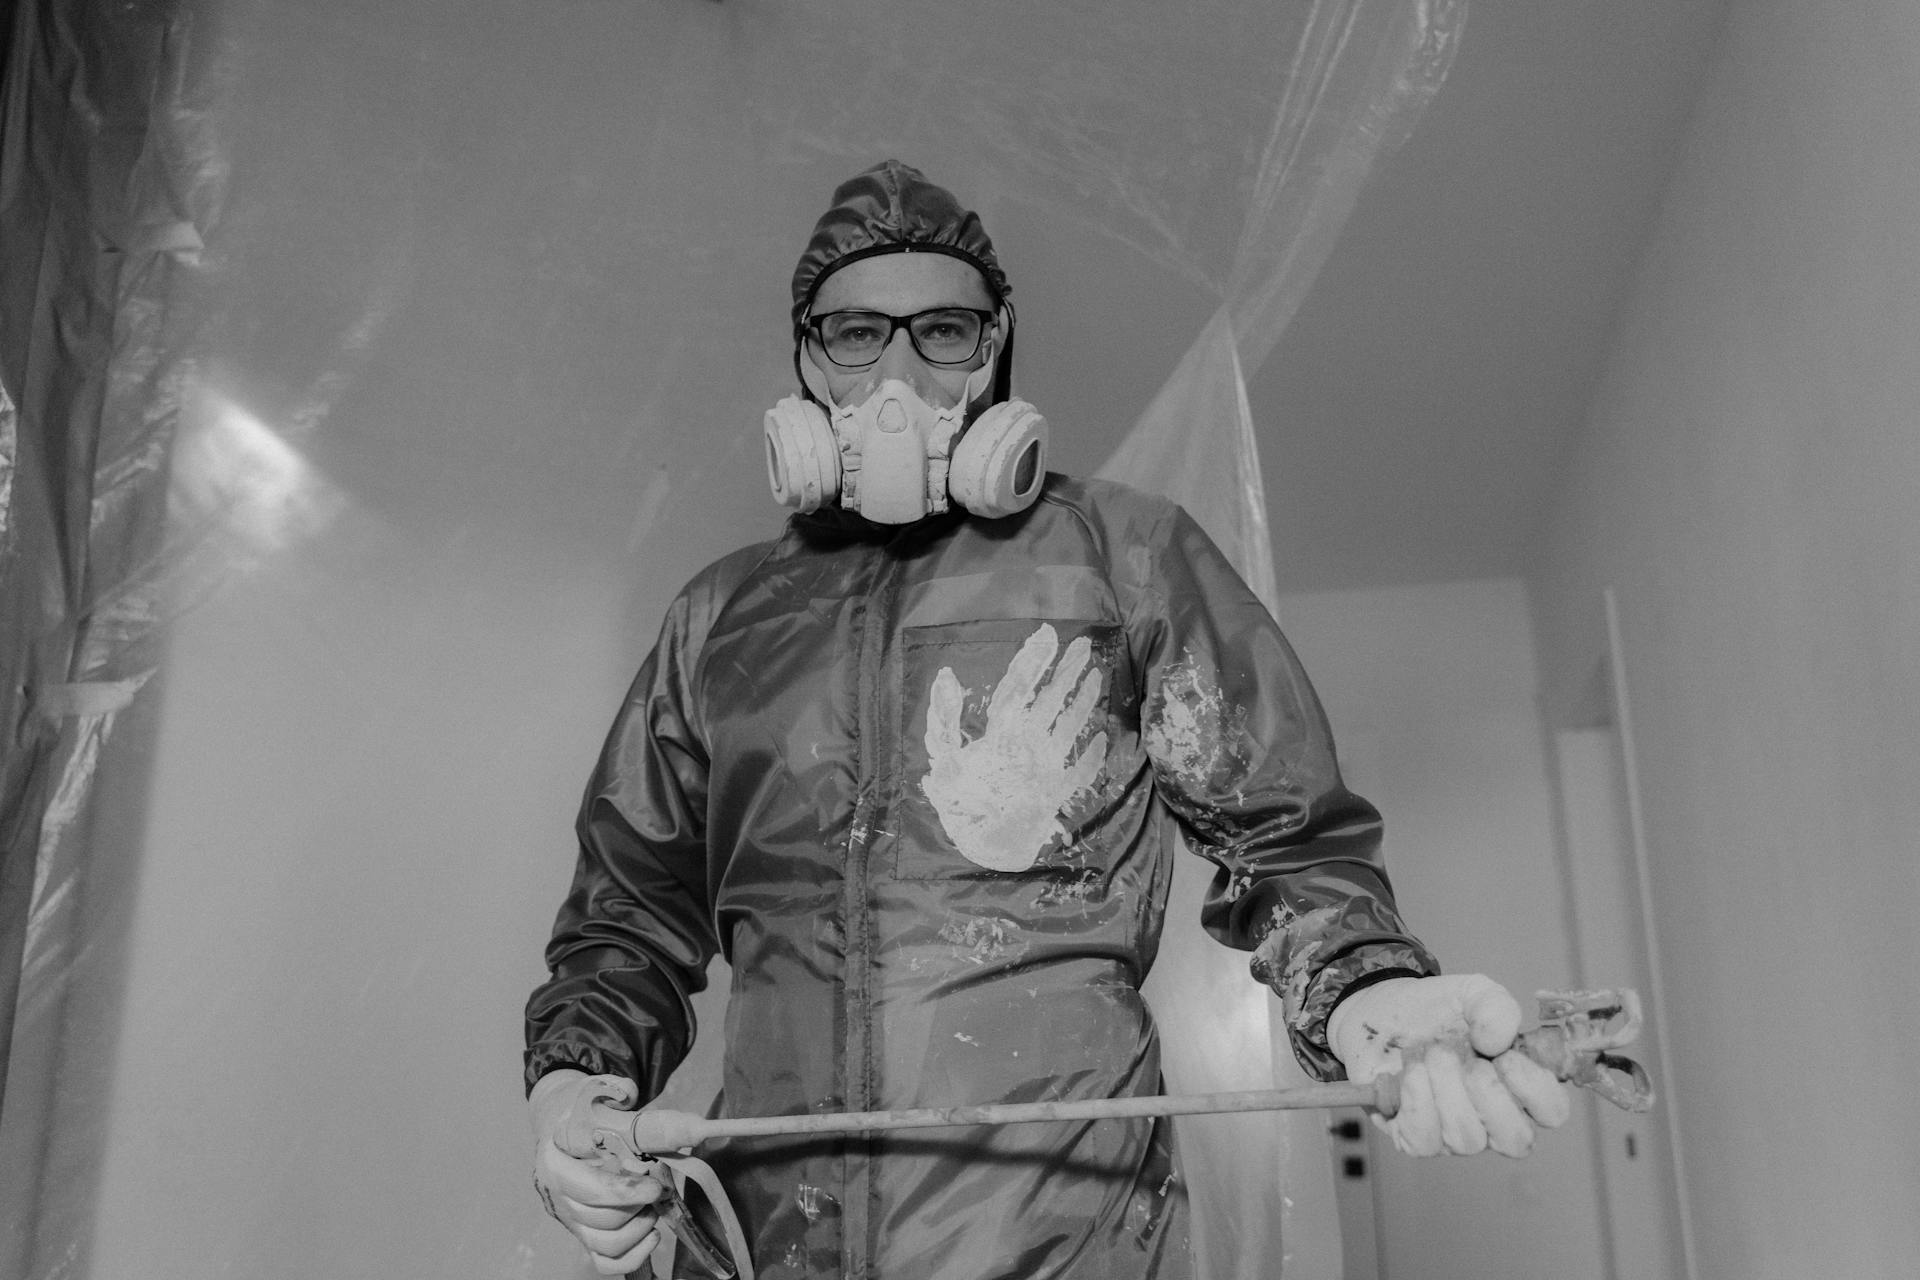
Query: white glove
(605,1208)
(1463,1087)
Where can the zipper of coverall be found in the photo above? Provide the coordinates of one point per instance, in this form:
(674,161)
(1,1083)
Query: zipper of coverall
(874,709)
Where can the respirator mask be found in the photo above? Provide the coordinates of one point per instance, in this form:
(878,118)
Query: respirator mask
(894,457)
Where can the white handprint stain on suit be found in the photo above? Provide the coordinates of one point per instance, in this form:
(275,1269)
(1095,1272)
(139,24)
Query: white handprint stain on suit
(1000,796)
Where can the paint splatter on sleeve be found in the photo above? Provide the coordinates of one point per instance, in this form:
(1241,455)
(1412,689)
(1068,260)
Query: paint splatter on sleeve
(1243,756)
(1293,960)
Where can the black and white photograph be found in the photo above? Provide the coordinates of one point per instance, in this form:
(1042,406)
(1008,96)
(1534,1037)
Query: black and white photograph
(989,640)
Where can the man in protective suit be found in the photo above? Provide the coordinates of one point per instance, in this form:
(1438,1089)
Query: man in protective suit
(915,768)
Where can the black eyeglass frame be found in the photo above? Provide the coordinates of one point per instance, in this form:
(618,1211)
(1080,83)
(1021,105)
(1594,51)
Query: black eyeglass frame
(811,326)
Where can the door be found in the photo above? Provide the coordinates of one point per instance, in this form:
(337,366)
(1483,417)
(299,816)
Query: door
(1637,1183)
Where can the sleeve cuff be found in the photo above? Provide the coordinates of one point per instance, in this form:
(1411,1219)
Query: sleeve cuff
(543,1058)
(1340,977)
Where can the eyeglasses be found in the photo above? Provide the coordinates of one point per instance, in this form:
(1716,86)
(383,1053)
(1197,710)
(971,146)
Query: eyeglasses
(944,335)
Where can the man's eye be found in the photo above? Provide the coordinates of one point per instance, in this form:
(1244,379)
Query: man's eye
(946,330)
(856,335)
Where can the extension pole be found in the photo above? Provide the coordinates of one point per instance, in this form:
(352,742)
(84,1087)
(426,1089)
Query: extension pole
(673,1130)
(1576,1030)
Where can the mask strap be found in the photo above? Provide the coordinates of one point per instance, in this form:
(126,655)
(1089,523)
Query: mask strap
(1004,320)
(967,393)
(812,377)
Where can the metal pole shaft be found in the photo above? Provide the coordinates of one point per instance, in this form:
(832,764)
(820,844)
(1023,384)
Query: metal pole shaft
(1337,1094)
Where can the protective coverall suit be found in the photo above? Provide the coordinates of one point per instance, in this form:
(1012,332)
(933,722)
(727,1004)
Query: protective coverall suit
(765,792)
(920,785)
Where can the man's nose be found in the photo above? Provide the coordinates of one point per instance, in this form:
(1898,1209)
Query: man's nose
(901,361)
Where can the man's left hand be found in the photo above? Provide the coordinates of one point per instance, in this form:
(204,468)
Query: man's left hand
(1463,1086)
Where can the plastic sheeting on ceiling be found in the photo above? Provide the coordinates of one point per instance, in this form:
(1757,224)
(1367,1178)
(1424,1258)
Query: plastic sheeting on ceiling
(371,373)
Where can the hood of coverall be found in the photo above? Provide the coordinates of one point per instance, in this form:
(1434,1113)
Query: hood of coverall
(892,208)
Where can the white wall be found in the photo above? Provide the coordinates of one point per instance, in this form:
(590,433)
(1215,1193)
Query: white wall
(1432,694)
(357,840)
(1749,483)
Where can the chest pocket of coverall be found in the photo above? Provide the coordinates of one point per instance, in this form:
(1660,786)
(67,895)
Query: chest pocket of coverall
(1014,731)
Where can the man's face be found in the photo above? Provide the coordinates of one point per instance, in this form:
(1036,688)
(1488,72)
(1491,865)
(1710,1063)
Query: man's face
(900,284)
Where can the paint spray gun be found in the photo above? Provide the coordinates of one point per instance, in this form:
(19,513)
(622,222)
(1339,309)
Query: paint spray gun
(1578,1031)
(659,1145)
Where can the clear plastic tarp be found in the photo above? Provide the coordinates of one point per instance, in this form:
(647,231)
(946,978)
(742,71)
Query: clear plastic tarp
(371,375)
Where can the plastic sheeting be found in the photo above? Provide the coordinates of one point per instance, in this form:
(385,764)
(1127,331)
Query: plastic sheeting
(373,373)
(1359,82)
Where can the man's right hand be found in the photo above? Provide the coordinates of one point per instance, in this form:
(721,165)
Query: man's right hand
(606,1208)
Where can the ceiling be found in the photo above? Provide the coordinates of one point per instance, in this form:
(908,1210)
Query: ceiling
(520,286)
(1415,417)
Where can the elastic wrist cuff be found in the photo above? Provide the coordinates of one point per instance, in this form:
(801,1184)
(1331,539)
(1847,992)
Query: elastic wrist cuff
(1372,979)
